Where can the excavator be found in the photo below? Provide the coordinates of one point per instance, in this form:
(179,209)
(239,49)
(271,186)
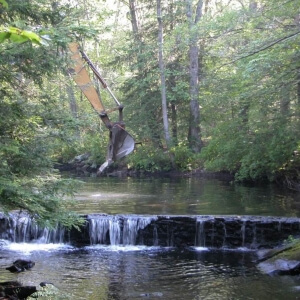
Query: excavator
(121,143)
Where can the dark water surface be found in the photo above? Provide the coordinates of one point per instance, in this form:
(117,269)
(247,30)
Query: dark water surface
(188,196)
(138,272)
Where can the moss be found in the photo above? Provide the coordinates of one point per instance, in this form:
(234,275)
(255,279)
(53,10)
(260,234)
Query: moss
(292,252)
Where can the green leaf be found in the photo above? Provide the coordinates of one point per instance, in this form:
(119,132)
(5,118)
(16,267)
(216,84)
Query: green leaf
(4,3)
(4,36)
(17,35)
(31,36)
(16,38)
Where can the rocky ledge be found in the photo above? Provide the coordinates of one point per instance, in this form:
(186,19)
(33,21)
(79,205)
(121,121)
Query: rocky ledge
(284,260)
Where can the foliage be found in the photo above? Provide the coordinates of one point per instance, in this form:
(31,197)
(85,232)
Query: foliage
(184,159)
(252,92)
(27,180)
(150,159)
(17,35)
(31,118)
(249,90)
(96,147)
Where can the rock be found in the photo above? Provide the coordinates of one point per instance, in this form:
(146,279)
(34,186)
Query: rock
(49,291)
(44,283)
(155,294)
(14,290)
(20,292)
(280,267)
(282,261)
(82,157)
(21,265)
(118,173)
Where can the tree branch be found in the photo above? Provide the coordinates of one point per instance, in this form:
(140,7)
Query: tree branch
(261,49)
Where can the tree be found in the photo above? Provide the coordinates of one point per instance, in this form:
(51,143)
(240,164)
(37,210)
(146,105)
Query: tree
(162,74)
(257,135)
(31,118)
(194,122)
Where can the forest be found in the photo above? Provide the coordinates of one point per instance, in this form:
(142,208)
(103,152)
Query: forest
(206,85)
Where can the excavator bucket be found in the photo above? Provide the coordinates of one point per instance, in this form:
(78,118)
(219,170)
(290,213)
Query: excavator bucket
(121,143)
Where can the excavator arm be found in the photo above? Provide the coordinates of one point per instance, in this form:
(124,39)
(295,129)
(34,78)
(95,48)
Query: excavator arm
(121,142)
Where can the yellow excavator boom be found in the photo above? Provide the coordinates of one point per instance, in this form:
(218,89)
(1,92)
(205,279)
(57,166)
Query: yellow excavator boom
(121,142)
(82,78)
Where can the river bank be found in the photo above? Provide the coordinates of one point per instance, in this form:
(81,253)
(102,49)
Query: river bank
(81,166)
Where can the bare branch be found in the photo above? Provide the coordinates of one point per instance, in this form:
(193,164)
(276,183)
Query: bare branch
(261,49)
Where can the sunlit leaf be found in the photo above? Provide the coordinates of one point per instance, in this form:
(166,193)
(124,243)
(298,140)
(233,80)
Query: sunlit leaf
(4,36)
(31,36)
(16,38)
(4,3)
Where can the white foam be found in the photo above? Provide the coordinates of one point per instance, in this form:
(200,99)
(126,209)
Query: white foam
(27,248)
(200,248)
(120,248)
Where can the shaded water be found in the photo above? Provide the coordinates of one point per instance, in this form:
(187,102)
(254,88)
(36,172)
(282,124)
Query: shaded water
(138,272)
(187,196)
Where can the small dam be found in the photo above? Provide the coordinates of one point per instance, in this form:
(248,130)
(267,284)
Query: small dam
(232,232)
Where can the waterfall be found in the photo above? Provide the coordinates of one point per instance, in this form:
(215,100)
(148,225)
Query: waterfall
(116,230)
(165,231)
(20,228)
(243,232)
(98,229)
(155,236)
(200,233)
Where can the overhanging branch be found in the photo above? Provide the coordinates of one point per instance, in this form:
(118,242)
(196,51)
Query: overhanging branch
(261,49)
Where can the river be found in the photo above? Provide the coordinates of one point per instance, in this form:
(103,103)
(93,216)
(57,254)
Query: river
(106,272)
(184,196)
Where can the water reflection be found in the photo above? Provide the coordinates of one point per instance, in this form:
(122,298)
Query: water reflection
(187,196)
(153,273)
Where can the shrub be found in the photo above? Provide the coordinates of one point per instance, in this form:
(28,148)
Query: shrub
(150,159)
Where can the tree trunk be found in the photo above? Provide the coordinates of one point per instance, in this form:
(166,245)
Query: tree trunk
(72,101)
(162,75)
(244,108)
(298,87)
(284,102)
(174,123)
(194,135)
(133,19)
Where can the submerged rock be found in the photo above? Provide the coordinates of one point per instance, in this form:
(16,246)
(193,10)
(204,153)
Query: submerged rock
(154,294)
(21,265)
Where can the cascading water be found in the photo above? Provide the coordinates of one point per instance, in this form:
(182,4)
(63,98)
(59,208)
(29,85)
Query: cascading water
(114,230)
(224,235)
(200,233)
(243,232)
(164,231)
(98,230)
(20,228)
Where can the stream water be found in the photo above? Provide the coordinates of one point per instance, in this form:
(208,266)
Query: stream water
(139,272)
(188,196)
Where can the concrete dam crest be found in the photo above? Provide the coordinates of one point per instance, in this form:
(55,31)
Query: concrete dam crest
(231,232)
